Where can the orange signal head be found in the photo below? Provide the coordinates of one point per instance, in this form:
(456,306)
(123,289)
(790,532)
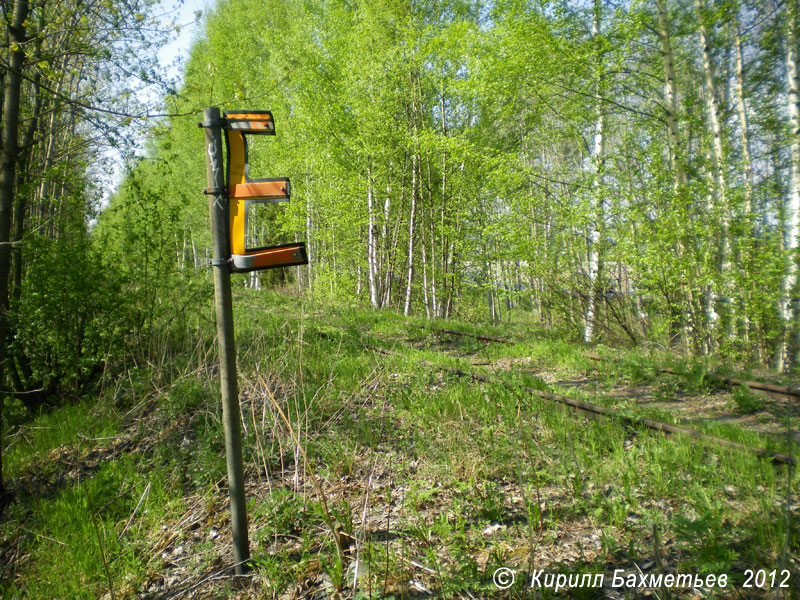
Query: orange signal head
(257,122)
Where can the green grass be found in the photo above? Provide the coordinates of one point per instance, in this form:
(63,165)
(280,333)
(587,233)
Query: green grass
(73,532)
(73,426)
(429,476)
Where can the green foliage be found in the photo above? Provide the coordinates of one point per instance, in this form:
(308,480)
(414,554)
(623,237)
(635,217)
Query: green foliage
(490,502)
(63,317)
(745,401)
(283,514)
(696,377)
(481,115)
(65,329)
(707,538)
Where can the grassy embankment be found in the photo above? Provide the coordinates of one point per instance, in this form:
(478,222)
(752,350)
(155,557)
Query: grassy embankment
(431,482)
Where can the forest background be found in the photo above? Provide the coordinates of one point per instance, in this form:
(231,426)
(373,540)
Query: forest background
(628,172)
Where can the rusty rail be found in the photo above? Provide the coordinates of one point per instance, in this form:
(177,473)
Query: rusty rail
(771,388)
(487,338)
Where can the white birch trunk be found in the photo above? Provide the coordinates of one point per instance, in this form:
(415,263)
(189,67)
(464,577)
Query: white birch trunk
(433,269)
(675,161)
(383,267)
(670,94)
(599,216)
(712,317)
(181,252)
(392,256)
(783,360)
(744,126)
(428,245)
(718,191)
(387,282)
(371,246)
(299,271)
(411,224)
(448,287)
(423,245)
(744,129)
(438,307)
(437,310)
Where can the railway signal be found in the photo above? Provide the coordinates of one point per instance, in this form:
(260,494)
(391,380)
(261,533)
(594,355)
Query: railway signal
(236,204)
(248,198)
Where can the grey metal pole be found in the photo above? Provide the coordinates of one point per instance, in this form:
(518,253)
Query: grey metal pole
(218,209)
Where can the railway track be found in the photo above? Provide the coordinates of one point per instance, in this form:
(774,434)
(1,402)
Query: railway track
(772,389)
(603,411)
(761,386)
(588,408)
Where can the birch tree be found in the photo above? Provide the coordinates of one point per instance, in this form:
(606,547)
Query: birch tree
(411,231)
(372,252)
(718,189)
(598,158)
(676,161)
(784,358)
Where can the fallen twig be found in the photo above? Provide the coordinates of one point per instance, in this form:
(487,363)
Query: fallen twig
(135,510)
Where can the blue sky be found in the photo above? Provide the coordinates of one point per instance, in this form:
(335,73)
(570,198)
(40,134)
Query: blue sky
(174,53)
(172,56)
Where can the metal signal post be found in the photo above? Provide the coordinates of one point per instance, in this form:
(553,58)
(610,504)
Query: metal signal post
(218,209)
(235,203)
